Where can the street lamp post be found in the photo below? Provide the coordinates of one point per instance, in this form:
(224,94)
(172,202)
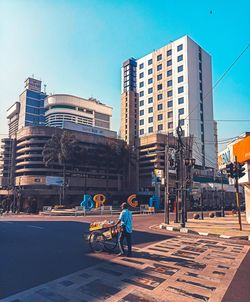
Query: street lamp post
(222,196)
(166,184)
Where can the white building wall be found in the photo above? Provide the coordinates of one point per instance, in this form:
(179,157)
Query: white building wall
(191,94)
(209,129)
(194,119)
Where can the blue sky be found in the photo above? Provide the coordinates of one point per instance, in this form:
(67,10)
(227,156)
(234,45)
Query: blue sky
(77,47)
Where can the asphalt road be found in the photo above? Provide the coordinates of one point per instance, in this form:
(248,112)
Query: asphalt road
(35,252)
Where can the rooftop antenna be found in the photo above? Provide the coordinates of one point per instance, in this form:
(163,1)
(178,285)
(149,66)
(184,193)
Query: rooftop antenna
(33,76)
(44,87)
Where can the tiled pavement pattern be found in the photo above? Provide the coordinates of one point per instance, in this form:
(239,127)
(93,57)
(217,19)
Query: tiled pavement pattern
(172,270)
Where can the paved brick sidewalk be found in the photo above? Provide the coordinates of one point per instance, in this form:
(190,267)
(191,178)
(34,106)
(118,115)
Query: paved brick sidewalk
(178,269)
(224,227)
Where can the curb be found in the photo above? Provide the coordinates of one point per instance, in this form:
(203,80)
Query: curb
(188,231)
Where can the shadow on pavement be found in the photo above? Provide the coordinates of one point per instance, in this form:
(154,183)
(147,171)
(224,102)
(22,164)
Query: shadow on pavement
(36,252)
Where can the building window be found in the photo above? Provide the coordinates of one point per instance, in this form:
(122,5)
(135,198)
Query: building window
(170,93)
(159,97)
(170,114)
(159,67)
(141,131)
(169,52)
(141,112)
(180,68)
(182,122)
(141,66)
(159,107)
(160,127)
(150,119)
(200,66)
(150,71)
(202,128)
(200,56)
(170,104)
(141,122)
(141,84)
(200,86)
(180,47)
(150,100)
(180,89)
(200,76)
(169,72)
(150,81)
(141,93)
(181,111)
(201,97)
(160,117)
(170,125)
(150,90)
(169,83)
(179,58)
(159,77)
(150,61)
(201,106)
(180,100)
(169,62)
(141,75)
(180,79)
(159,87)
(150,129)
(159,57)
(142,103)
(150,109)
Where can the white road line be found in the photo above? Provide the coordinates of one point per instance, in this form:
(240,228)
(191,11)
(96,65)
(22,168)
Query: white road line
(35,227)
(6,221)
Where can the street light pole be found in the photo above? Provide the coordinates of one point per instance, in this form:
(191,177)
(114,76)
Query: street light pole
(166,183)
(222,196)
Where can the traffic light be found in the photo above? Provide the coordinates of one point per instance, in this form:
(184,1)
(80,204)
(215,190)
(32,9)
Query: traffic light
(241,170)
(230,170)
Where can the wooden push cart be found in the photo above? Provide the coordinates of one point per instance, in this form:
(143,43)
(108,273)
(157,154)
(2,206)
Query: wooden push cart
(103,236)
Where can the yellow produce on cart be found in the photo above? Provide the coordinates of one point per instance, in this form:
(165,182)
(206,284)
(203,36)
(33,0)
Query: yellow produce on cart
(98,225)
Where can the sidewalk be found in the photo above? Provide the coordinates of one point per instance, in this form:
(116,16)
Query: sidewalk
(223,227)
(176,269)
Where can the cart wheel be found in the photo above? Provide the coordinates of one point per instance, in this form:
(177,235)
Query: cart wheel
(111,244)
(96,242)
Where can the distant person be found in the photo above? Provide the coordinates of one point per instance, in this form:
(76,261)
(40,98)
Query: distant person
(125,219)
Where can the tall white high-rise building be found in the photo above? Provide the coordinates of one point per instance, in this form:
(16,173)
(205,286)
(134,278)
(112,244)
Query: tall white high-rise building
(170,85)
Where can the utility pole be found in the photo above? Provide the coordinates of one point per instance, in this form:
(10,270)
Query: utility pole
(237,191)
(166,183)
(222,196)
(181,168)
(201,203)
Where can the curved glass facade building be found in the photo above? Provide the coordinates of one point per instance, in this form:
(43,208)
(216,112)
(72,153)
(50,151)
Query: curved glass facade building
(61,108)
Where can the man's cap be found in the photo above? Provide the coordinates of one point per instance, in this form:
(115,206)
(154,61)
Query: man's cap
(124,205)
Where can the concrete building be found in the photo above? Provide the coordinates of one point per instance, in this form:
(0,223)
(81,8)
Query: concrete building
(7,163)
(13,118)
(239,148)
(62,108)
(31,100)
(33,179)
(170,85)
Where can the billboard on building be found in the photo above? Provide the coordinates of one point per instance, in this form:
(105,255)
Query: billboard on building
(242,150)
(54,181)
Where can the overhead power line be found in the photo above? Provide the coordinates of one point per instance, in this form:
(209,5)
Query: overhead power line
(220,79)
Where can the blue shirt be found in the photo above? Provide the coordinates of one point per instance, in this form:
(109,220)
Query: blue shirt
(126,219)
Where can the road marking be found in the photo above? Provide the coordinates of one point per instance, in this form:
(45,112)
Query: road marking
(35,227)
(6,221)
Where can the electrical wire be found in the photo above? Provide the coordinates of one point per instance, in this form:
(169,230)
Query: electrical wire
(219,80)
